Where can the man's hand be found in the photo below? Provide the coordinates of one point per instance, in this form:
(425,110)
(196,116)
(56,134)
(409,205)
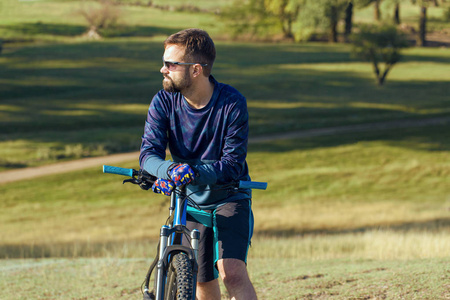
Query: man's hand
(182,174)
(163,186)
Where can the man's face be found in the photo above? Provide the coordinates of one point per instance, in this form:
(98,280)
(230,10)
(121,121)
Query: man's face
(176,77)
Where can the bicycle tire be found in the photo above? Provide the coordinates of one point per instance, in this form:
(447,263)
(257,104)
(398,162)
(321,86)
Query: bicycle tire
(180,285)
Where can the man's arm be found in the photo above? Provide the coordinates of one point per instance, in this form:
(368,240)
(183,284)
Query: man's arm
(154,140)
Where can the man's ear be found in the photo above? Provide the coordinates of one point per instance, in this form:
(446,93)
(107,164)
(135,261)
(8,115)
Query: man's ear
(197,70)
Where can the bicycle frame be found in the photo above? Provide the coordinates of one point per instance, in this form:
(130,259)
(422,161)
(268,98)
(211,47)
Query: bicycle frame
(171,243)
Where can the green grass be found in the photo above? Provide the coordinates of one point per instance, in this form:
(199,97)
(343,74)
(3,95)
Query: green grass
(53,20)
(93,97)
(113,278)
(61,21)
(63,97)
(347,184)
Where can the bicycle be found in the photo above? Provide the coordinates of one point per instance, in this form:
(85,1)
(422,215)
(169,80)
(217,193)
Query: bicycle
(176,264)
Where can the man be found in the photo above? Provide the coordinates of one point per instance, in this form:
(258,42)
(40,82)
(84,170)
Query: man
(205,125)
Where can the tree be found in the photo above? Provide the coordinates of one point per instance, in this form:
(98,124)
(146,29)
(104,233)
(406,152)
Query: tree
(377,10)
(324,14)
(397,12)
(286,11)
(101,16)
(379,44)
(332,13)
(421,38)
(262,17)
(348,19)
(246,17)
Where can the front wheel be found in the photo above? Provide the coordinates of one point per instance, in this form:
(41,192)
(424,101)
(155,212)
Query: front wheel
(180,279)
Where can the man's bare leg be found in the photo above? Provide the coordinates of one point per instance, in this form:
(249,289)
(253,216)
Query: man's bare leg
(208,290)
(235,277)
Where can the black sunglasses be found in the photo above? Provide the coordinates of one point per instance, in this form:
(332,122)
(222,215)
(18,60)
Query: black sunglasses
(171,65)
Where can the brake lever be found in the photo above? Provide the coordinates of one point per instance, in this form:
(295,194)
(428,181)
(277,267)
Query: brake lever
(132,180)
(144,180)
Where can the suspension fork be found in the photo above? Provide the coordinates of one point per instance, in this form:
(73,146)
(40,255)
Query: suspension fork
(171,237)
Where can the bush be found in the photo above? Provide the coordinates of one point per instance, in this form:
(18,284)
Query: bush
(379,44)
(447,14)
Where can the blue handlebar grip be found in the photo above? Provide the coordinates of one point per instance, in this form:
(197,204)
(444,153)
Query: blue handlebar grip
(252,185)
(118,171)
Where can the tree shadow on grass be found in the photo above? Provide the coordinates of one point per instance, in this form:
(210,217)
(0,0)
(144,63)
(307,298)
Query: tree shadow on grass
(56,29)
(46,28)
(46,82)
(138,31)
(310,53)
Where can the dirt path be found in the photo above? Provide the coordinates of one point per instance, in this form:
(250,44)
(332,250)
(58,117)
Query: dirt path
(63,167)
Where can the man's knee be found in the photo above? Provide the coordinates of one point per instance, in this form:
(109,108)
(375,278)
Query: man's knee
(232,271)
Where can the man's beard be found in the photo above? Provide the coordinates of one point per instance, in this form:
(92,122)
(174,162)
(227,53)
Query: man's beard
(175,87)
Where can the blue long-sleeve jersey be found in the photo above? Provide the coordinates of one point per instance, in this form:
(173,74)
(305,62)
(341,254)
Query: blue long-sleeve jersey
(213,140)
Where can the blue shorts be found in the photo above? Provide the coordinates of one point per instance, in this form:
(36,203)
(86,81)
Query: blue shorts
(225,232)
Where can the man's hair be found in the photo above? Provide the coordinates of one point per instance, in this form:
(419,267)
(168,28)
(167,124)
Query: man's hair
(199,47)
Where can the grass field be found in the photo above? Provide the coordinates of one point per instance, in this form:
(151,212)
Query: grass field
(361,215)
(89,278)
(63,97)
(354,217)
(349,183)
(66,101)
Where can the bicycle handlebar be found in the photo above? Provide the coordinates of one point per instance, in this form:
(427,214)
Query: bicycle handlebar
(252,185)
(118,171)
(132,172)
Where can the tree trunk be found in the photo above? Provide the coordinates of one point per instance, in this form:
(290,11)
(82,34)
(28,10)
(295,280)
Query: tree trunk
(382,78)
(397,13)
(287,29)
(287,18)
(348,19)
(377,12)
(376,70)
(421,41)
(92,33)
(333,24)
